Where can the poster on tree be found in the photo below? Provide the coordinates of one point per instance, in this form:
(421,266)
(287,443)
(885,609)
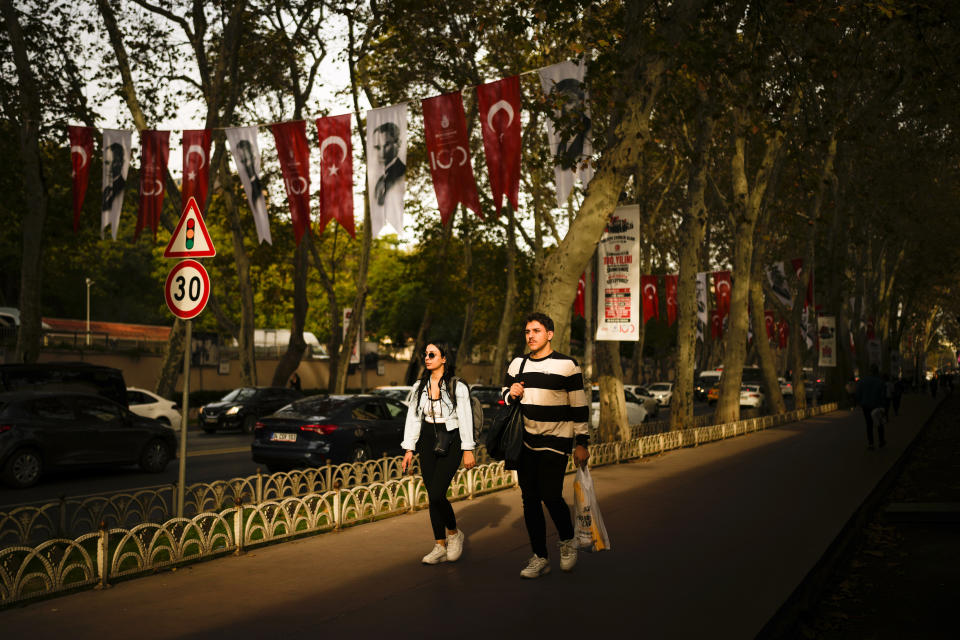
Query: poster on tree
(618,277)
(828,341)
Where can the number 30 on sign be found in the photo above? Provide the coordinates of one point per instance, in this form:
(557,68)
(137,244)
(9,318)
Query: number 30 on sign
(187,289)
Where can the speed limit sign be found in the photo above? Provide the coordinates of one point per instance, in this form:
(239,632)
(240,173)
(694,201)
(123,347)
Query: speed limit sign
(187,289)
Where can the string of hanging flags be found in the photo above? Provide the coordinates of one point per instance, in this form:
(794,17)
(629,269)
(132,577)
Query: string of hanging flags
(448,156)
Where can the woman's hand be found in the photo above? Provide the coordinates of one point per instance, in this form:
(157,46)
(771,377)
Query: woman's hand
(407,464)
(469,460)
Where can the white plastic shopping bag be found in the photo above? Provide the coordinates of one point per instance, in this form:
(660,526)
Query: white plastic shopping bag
(590,533)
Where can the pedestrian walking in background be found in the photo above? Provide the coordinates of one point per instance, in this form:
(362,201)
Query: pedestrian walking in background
(555,414)
(295,381)
(871,394)
(439,428)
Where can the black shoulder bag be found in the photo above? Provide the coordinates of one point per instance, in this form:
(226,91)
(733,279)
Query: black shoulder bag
(505,437)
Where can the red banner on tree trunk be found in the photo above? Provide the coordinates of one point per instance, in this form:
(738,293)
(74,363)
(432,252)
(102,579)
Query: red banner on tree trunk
(81,150)
(651,301)
(196,166)
(579,306)
(448,151)
(783,330)
(153,167)
(721,283)
(670,286)
(771,324)
(716,325)
(798,269)
(500,117)
(294,155)
(336,172)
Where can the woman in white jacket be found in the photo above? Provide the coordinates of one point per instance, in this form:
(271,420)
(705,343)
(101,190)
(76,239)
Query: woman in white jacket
(439,428)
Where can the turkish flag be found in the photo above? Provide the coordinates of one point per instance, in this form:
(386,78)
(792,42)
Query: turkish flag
(670,284)
(716,325)
(770,322)
(336,172)
(448,151)
(500,122)
(196,166)
(871,329)
(579,304)
(154,154)
(651,301)
(798,269)
(721,284)
(81,150)
(783,329)
(294,155)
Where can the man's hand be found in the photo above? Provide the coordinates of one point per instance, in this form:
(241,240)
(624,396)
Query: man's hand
(580,455)
(516,390)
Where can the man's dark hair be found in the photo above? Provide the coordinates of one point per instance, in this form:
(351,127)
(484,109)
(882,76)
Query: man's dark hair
(542,318)
(389,129)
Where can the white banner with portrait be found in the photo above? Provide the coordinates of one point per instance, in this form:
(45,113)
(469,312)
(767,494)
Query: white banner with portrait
(246,155)
(386,166)
(827,331)
(564,86)
(618,277)
(116,164)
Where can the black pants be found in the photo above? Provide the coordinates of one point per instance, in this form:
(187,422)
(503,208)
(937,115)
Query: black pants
(540,474)
(438,472)
(869,419)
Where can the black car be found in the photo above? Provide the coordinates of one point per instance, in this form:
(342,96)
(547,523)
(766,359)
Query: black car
(65,376)
(44,430)
(491,402)
(240,408)
(314,430)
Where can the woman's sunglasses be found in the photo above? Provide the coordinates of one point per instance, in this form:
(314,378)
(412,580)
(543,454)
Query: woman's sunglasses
(428,355)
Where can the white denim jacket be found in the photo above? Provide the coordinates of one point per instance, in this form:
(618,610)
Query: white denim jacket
(461,419)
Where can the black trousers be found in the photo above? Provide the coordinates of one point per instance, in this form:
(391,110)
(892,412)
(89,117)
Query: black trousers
(540,474)
(869,419)
(438,472)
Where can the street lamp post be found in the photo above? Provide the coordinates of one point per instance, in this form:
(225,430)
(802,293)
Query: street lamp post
(89,282)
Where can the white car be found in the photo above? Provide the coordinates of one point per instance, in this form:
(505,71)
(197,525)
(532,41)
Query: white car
(645,398)
(662,392)
(397,392)
(786,387)
(150,405)
(751,396)
(636,412)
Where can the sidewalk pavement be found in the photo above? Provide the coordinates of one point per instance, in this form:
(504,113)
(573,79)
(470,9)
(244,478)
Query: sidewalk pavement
(707,542)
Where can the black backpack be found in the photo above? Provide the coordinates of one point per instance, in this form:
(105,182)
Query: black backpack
(476,409)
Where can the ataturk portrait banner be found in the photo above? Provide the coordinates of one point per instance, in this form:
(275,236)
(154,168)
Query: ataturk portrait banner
(196,166)
(81,150)
(499,104)
(154,153)
(116,164)
(448,154)
(618,277)
(569,130)
(336,172)
(293,151)
(386,166)
(246,156)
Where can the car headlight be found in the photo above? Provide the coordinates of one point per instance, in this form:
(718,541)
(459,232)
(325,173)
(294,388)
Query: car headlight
(232,411)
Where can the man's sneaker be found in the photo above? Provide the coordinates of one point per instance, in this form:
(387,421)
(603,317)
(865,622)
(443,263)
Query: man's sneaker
(454,546)
(438,555)
(536,567)
(568,554)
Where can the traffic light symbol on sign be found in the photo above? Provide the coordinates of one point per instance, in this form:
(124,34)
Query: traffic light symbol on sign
(191,223)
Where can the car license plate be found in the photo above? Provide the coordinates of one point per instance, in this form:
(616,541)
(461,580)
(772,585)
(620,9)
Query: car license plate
(211,418)
(284,437)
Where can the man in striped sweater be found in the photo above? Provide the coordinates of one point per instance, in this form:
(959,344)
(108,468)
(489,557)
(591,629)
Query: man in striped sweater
(555,416)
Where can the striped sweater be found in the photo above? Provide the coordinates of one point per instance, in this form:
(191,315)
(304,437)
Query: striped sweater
(554,405)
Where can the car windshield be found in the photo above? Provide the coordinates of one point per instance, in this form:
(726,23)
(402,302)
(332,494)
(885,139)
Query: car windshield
(660,387)
(243,393)
(317,406)
(486,394)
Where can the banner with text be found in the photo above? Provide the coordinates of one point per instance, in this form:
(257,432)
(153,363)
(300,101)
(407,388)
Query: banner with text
(827,329)
(618,277)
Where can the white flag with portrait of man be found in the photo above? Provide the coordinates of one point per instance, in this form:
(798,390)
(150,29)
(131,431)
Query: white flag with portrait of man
(246,156)
(701,305)
(569,130)
(116,164)
(386,166)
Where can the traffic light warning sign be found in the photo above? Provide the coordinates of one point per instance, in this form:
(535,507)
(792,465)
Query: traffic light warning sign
(190,239)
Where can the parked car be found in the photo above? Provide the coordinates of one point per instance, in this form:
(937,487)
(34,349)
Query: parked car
(751,396)
(397,392)
(636,412)
(45,430)
(491,402)
(662,392)
(645,398)
(150,405)
(81,377)
(241,408)
(339,428)
(786,387)
(704,382)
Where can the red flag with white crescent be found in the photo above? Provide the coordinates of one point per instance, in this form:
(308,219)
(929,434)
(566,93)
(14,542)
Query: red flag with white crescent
(153,167)
(448,152)
(783,329)
(770,323)
(721,283)
(294,155)
(579,304)
(798,268)
(716,324)
(196,166)
(336,172)
(651,301)
(871,329)
(81,150)
(499,104)
(670,286)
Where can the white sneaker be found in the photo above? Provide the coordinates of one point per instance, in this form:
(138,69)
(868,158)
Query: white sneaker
(438,555)
(536,567)
(568,554)
(454,546)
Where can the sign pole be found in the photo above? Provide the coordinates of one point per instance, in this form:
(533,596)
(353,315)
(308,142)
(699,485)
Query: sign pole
(181,482)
